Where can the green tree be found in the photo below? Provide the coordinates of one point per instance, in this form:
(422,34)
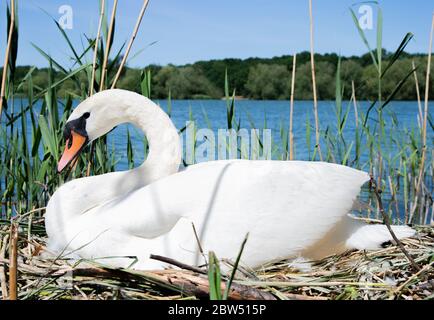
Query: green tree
(183,83)
(268,82)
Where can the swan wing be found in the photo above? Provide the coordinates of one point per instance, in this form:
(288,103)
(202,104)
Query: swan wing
(285,206)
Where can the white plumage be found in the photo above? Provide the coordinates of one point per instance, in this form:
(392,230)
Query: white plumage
(289,208)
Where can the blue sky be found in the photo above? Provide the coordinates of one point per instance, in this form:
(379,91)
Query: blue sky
(191,30)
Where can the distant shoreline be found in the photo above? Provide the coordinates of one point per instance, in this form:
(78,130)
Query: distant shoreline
(255,78)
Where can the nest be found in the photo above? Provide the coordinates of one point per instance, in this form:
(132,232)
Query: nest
(368,275)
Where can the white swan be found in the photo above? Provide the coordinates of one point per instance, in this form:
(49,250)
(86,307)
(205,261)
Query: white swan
(289,208)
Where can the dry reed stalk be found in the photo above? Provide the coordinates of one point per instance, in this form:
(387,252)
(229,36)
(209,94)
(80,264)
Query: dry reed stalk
(394,198)
(353,97)
(425,116)
(13,257)
(109,37)
(29,233)
(199,245)
(315,102)
(291,134)
(428,73)
(386,220)
(177,263)
(95,53)
(74,164)
(89,165)
(7,53)
(312,284)
(3,280)
(424,125)
(29,213)
(130,44)
(380,169)
(85,297)
(417,94)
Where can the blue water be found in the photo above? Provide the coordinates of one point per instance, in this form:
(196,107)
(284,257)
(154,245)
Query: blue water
(400,117)
(273,115)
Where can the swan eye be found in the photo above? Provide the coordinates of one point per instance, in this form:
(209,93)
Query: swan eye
(86,115)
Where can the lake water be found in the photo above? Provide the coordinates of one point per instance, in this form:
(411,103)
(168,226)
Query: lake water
(400,116)
(272,115)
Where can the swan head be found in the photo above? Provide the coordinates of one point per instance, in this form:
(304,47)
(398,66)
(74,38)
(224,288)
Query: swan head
(91,119)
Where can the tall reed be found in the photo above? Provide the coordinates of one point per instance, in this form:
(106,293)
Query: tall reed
(108,45)
(315,99)
(27,161)
(425,116)
(7,54)
(291,112)
(95,50)
(130,44)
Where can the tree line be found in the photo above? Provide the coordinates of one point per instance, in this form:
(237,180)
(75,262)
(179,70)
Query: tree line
(262,78)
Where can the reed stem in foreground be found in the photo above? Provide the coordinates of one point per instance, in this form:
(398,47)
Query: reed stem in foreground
(95,53)
(386,220)
(13,259)
(356,112)
(291,135)
(419,105)
(425,116)
(315,101)
(3,281)
(7,54)
(107,47)
(428,73)
(130,44)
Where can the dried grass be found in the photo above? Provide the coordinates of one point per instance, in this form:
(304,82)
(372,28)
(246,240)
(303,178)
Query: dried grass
(377,275)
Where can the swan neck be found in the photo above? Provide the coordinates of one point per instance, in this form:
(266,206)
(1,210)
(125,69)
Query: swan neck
(164,155)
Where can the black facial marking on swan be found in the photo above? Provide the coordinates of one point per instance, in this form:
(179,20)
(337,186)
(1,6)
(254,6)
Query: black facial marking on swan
(78,125)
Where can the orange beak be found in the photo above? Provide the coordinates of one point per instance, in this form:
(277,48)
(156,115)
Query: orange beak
(72,148)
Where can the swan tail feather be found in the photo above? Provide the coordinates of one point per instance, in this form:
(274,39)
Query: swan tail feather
(372,237)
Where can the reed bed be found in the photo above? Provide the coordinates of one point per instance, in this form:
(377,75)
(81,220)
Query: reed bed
(401,159)
(373,275)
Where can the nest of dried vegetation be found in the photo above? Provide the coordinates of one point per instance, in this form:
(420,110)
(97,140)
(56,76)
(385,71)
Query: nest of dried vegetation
(381,274)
